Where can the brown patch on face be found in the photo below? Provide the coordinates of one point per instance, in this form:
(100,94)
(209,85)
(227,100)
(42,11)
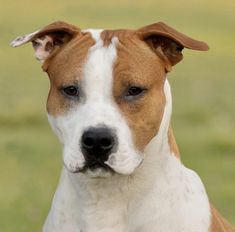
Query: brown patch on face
(218,223)
(138,65)
(171,140)
(108,35)
(65,69)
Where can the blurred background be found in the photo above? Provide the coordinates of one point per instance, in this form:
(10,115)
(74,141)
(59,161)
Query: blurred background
(203,94)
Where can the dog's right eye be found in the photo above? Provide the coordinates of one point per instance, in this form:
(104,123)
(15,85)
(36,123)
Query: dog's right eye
(71,91)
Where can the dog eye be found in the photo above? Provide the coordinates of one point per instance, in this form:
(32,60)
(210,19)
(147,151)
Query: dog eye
(133,93)
(71,91)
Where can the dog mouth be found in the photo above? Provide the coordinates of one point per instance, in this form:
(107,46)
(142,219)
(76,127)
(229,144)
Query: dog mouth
(97,166)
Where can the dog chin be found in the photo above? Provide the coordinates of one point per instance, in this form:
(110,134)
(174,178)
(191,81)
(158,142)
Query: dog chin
(99,172)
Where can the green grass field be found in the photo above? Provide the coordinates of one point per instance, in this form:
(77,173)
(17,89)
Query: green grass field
(203,88)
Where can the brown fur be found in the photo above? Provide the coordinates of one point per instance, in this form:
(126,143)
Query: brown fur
(163,30)
(137,65)
(172,143)
(108,35)
(218,223)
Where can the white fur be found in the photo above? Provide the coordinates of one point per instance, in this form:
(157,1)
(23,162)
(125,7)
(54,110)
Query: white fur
(95,33)
(160,196)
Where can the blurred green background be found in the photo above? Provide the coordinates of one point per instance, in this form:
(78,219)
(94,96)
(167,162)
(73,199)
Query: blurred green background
(203,93)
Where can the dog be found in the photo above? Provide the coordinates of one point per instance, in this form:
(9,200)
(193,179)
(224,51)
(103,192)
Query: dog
(110,105)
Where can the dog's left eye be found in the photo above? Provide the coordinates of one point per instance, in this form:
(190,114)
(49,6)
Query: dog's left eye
(134,92)
(71,91)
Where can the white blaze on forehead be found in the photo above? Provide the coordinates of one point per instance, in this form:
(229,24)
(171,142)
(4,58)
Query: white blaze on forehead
(97,83)
(98,71)
(95,33)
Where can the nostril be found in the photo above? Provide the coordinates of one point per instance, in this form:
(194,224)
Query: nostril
(88,142)
(106,143)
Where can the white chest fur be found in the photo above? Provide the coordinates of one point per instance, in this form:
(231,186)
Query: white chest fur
(171,198)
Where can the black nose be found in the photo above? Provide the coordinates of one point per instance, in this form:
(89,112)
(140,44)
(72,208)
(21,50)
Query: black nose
(97,144)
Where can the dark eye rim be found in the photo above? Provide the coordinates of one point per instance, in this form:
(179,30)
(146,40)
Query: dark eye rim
(70,91)
(134,92)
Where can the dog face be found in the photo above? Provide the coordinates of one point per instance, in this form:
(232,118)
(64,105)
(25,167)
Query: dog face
(115,87)
(107,99)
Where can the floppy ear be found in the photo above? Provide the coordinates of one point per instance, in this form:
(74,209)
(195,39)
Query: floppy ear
(49,39)
(169,43)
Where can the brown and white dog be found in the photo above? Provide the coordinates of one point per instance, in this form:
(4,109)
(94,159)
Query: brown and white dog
(110,105)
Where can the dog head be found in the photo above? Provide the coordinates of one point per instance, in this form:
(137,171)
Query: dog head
(108,91)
